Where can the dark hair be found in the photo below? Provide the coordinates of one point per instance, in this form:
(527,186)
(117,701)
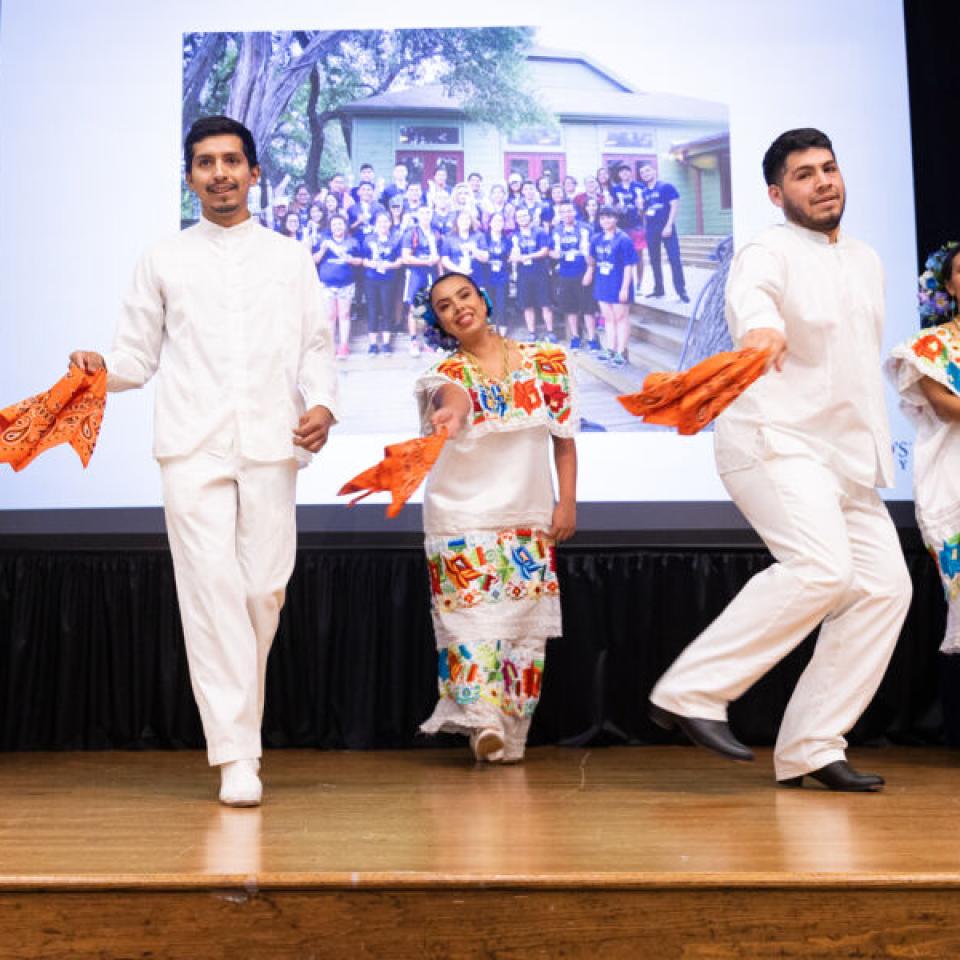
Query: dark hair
(460,276)
(214,127)
(607,211)
(366,166)
(946,268)
(623,166)
(775,159)
(433,334)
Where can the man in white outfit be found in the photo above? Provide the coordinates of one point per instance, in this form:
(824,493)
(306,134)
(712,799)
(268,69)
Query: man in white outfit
(800,454)
(229,317)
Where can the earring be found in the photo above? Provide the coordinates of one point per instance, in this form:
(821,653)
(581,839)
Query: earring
(489,303)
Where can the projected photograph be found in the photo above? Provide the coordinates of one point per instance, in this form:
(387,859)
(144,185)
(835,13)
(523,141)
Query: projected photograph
(396,155)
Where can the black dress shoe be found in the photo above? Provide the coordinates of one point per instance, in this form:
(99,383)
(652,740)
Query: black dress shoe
(839,775)
(715,735)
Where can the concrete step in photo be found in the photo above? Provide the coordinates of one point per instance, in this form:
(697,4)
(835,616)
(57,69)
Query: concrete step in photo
(665,336)
(667,310)
(648,356)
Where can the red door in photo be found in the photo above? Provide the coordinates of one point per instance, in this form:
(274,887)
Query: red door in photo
(422,164)
(532,166)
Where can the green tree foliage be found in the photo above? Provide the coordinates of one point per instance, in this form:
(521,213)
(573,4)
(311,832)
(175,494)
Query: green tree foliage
(289,87)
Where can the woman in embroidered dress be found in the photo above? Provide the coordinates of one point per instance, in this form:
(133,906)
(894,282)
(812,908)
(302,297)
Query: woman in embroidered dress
(490,518)
(926,372)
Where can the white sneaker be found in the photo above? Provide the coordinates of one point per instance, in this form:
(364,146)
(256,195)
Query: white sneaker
(487,745)
(239,784)
(414,348)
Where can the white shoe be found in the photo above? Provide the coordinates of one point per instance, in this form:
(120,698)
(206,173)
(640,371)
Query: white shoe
(487,745)
(239,784)
(414,348)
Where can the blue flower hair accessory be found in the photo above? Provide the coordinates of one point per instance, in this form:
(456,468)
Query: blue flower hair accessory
(434,335)
(935,303)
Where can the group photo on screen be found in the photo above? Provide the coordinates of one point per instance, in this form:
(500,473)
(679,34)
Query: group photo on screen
(597,216)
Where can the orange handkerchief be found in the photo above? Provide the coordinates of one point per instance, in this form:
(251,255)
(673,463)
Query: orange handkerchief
(71,411)
(399,473)
(694,398)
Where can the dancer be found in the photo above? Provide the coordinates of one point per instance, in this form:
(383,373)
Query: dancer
(800,454)
(228,315)
(490,518)
(926,372)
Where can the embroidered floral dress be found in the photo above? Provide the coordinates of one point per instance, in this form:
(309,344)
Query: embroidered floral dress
(487,508)
(935,353)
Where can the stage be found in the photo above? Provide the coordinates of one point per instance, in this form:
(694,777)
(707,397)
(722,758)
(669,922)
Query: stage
(608,852)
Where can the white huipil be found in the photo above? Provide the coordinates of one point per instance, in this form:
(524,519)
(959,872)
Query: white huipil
(488,505)
(231,322)
(935,353)
(800,453)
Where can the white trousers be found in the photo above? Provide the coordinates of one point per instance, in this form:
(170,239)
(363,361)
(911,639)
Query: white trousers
(232,529)
(838,561)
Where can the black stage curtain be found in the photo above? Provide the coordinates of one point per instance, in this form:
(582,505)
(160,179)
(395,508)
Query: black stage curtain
(91,650)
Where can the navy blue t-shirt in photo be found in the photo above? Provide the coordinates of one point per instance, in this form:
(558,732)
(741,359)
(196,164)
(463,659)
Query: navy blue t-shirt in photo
(382,251)
(529,243)
(656,203)
(628,199)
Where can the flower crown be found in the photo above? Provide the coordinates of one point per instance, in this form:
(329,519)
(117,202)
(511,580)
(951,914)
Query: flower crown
(434,335)
(936,305)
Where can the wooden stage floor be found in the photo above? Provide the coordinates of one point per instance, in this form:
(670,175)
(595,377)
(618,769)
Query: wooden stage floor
(632,852)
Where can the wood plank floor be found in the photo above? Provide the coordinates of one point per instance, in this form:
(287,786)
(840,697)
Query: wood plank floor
(621,852)
(566,816)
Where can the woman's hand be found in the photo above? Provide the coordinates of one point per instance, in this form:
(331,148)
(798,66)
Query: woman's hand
(564,522)
(449,419)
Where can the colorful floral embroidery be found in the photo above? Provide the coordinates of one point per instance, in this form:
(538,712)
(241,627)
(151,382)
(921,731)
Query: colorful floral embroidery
(470,672)
(551,363)
(488,568)
(541,382)
(929,347)
(948,557)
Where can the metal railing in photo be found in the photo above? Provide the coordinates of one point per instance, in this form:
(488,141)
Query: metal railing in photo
(707,332)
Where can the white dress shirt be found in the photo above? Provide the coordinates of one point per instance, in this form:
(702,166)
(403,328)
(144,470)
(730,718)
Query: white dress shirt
(827,402)
(232,322)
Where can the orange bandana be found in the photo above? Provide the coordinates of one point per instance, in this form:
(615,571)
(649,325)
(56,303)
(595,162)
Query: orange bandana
(400,472)
(69,412)
(692,399)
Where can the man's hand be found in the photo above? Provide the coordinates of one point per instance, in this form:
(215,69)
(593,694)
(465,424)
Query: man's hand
(448,419)
(766,338)
(88,361)
(311,432)
(667,232)
(564,522)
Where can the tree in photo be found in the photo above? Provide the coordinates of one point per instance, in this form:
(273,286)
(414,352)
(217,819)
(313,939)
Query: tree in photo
(289,88)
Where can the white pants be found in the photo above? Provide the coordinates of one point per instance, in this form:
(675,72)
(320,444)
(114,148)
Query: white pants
(838,561)
(232,529)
